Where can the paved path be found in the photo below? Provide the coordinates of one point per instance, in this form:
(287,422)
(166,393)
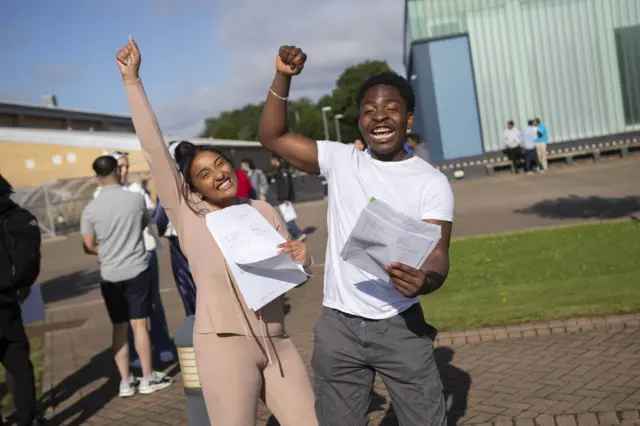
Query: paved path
(516,376)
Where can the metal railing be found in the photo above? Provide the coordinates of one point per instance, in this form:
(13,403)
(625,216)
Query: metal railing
(58,205)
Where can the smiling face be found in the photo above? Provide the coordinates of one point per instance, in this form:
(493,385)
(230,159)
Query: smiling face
(214,178)
(384,120)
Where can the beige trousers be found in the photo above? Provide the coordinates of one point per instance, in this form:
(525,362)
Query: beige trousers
(235,372)
(541,149)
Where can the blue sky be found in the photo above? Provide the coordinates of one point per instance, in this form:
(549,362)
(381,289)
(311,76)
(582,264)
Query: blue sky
(199,57)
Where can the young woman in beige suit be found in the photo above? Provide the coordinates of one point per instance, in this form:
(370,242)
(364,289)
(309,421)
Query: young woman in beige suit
(242,355)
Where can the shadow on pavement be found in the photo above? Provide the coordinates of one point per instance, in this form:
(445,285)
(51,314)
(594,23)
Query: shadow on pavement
(101,366)
(70,285)
(575,207)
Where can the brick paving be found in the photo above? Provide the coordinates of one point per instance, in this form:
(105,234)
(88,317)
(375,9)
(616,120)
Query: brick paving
(561,373)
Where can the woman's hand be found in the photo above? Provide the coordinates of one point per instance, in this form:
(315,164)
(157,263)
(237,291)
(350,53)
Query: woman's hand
(297,251)
(128,59)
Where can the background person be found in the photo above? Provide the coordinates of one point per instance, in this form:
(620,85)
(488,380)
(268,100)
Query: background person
(541,144)
(416,146)
(160,336)
(285,193)
(257,177)
(529,136)
(511,140)
(112,227)
(19,268)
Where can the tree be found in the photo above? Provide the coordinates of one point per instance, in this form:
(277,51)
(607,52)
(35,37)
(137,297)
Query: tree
(305,116)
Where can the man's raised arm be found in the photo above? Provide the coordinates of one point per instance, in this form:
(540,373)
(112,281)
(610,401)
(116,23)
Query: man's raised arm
(273,131)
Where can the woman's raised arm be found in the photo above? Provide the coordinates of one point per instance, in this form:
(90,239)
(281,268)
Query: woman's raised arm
(167,179)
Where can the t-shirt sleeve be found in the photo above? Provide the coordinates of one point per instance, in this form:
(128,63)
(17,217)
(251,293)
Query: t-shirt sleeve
(437,201)
(330,153)
(86,224)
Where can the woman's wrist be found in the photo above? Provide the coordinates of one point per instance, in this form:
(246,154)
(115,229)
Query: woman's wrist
(126,78)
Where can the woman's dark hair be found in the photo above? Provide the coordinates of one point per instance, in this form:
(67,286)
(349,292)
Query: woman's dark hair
(5,187)
(389,79)
(185,154)
(249,162)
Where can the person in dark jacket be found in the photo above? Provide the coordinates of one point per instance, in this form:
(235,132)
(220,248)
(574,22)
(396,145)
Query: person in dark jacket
(285,193)
(14,345)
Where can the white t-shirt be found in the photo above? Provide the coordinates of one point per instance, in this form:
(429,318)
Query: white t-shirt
(412,187)
(151,240)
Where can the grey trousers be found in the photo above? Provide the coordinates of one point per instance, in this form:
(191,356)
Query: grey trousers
(349,351)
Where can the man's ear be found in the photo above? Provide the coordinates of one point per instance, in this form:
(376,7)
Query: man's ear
(409,121)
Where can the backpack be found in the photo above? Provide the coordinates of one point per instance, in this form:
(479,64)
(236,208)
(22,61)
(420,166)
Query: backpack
(20,242)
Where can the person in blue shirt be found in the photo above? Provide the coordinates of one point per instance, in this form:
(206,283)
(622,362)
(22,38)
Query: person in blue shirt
(541,144)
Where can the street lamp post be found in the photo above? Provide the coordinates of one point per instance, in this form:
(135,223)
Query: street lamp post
(337,119)
(325,110)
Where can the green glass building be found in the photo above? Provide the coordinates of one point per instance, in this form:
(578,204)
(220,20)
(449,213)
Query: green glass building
(573,63)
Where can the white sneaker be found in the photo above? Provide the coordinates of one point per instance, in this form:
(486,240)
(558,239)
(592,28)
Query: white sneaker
(166,356)
(128,387)
(156,382)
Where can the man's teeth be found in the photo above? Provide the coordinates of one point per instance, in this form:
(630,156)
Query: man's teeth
(381,130)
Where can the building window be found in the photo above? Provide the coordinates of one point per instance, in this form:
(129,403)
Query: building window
(628,47)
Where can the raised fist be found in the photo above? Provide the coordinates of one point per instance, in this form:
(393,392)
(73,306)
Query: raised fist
(290,60)
(128,59)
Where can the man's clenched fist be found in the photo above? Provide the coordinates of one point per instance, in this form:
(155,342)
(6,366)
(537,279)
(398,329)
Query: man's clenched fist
(290,60)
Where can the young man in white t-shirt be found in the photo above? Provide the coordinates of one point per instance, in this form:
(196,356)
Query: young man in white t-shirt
(370,325)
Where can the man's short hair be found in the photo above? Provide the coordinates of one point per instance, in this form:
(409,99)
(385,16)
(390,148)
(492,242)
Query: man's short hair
(5,187)
(389,79)
(510,123)
(105,165)
(414,137)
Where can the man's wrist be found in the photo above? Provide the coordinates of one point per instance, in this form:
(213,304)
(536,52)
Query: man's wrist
(432,282)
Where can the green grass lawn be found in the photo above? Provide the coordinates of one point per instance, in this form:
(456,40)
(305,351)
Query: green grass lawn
(587,270)
(36,341)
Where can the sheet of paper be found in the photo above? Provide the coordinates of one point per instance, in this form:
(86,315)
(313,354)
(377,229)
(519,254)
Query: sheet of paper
(382,236)
(288,212)
(33,307)
(249,244)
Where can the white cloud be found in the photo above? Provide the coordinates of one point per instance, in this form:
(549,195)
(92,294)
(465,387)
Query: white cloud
(333,33)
